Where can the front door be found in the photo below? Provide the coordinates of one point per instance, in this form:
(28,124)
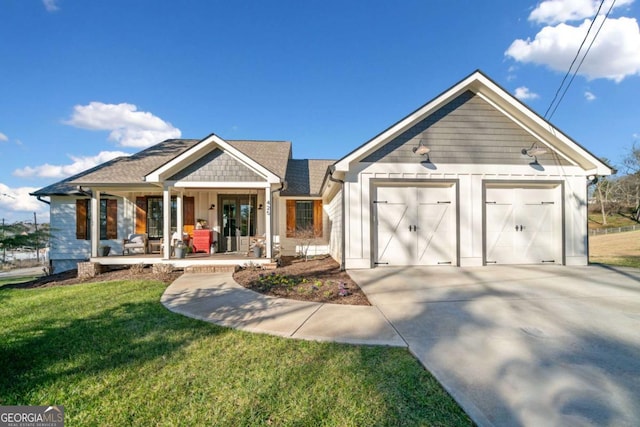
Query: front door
(238,221)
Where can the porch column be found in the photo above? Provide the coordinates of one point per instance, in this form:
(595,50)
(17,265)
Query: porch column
(166,221)
(179,218)
(95,222)
(267,222)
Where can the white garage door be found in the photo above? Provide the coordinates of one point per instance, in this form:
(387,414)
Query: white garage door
(416,225)
(523,225)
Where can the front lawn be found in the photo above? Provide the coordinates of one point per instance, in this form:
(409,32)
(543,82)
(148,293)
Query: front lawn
(113,355)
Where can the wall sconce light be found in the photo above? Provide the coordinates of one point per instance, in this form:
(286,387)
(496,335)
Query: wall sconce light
(212,207)
(260,207)
(534,151)
(421,150)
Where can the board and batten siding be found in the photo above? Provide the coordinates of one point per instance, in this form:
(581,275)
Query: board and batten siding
(358,188)
(291,246)
(334,226)
(466,130)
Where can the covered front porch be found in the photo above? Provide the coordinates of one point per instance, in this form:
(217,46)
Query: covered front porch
(191,260)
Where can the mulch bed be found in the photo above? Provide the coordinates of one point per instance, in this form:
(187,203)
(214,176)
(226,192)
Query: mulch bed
(318,280)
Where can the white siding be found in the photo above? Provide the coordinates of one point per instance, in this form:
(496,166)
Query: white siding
(334,226)
(357,227)
(66,251)
(290,246)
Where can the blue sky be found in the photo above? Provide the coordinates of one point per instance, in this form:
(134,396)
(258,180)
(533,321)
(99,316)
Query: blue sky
(84,81)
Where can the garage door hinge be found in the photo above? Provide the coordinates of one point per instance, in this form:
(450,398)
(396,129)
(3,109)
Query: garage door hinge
(444,262)
(492,262)
(381,263)
(442,203)
(547,203)
(490,203)
(548,260)
(379,201)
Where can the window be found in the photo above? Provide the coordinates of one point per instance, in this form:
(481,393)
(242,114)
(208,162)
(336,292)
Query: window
(304,218)
(155,216)
(108,219)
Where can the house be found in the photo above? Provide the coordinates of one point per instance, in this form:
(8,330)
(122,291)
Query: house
(473,177)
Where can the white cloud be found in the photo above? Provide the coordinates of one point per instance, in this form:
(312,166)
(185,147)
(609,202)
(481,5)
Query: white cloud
(17,205)
(589,96)
(62,171)
(614,55)
(3,137)
(523,93)
(556,11)
(128,126)
(50,5)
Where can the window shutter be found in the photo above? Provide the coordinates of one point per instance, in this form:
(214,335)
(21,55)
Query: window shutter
(112,219)
(141,215)
(317,218)
(81,219)
(189,210)
(291,218)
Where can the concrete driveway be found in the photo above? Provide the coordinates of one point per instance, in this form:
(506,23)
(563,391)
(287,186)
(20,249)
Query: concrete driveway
(533,346)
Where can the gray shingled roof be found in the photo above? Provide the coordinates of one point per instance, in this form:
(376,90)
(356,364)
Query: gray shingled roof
(305,177)
(273,155)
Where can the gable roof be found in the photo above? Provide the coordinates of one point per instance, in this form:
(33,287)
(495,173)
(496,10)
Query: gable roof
(131,170)
(305,177)
(271,155)
(501,100)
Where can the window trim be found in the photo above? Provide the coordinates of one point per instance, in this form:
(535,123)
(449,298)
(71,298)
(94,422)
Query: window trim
(292,230)
(108,224)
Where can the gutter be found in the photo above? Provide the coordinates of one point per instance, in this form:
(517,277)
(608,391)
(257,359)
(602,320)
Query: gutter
(332,169)
(40,199)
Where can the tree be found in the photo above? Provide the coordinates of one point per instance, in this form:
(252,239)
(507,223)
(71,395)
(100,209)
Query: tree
(630,189)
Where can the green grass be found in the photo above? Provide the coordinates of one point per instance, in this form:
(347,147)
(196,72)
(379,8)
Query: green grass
(620,261)
(12,280)
(613,221)
(113,355)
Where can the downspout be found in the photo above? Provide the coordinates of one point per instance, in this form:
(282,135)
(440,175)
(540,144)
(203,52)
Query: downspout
(332,169)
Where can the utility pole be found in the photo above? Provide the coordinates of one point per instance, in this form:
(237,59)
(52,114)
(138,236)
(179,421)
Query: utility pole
(4,249)
(35,223)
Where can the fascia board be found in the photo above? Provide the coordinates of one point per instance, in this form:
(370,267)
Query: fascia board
(538,126)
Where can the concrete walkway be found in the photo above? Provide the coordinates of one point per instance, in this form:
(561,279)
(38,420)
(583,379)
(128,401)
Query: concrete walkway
(514,346)
(217,298)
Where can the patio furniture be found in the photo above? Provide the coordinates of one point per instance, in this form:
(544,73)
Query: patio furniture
(137,242)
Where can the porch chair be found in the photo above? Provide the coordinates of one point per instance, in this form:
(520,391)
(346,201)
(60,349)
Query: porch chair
(135,241)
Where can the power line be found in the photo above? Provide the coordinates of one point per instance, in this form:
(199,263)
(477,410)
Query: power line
(584,40)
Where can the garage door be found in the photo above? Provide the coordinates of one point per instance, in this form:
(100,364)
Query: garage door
(523,225)
(416,225)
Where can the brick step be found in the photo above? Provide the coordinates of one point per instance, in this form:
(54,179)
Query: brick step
(231,268)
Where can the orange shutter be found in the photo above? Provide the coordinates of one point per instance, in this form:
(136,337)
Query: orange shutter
(291,218)
(81,219)
(189,210)
(317,218)
(112,219)
(141,215)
